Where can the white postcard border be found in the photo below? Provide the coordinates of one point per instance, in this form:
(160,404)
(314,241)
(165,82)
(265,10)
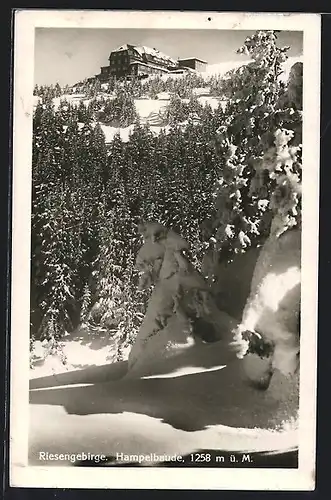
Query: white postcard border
(21,474)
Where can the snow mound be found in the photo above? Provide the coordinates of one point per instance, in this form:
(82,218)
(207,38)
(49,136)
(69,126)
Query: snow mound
(195,401)
(181,311)
(110,132)
(145,107)
(80,349)
(273,306)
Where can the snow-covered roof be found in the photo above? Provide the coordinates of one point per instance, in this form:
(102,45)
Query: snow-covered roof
(192,59)
(122,47)
(149,65)
(143,49)
(182,69)
(155,53)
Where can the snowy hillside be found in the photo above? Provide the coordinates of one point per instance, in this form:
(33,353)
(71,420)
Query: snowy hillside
(153,111)
(204,405)
(150,111)
(197,399)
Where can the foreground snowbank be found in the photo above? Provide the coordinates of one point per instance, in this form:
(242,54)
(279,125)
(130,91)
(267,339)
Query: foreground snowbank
(169,412)
(81,349)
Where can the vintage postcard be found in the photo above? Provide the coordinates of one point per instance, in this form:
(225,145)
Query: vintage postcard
(165,243)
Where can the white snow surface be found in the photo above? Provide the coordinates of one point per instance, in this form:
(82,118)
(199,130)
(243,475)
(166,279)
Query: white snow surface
(145,107)
(222,68)
(80,349)
(110,132)
(193,402)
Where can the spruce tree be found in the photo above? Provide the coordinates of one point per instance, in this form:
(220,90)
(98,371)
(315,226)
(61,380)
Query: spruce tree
(251,136)
(83,113)
(140,171)
(52,267)
(57,90)
(177,111)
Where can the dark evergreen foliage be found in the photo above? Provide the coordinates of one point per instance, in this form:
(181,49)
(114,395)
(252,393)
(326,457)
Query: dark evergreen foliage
(87,203)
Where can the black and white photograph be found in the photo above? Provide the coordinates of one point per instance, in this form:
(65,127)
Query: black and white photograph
(165,242)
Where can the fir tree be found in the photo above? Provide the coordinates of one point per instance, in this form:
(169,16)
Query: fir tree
(251,123)
(177,111)
(83,113)
(57,90)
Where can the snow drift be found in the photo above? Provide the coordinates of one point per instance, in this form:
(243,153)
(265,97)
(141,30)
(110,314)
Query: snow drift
(207,405)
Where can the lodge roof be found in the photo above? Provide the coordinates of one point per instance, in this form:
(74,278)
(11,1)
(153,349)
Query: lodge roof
(143,49)
(149,65)
(192,59)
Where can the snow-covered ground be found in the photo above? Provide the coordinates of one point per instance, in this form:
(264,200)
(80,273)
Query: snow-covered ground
(145,107)
(152,112)
(197,400)
(81,349)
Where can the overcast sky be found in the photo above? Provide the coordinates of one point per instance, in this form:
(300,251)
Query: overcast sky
(68,55)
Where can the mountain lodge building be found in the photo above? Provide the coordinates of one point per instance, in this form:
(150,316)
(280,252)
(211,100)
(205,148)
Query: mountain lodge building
(141,61)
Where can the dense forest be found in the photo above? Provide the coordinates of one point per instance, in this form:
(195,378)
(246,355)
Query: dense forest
(218,180)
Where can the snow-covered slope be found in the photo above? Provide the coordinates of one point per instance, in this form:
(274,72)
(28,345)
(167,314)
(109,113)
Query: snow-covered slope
(82,348)
(222,68)
(152,111)
(196,400)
